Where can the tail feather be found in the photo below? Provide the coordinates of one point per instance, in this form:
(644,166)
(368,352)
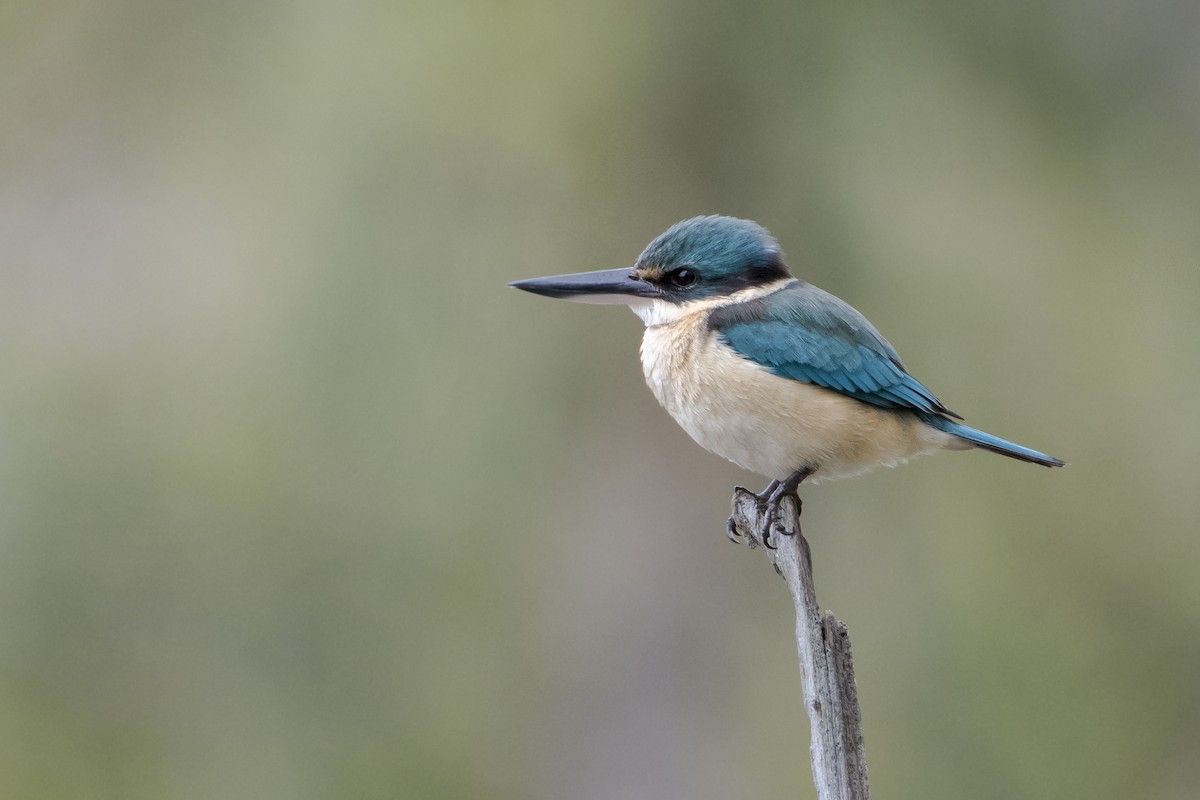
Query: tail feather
(987,441)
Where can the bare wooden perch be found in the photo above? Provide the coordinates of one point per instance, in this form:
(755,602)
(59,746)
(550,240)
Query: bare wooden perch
(839,761)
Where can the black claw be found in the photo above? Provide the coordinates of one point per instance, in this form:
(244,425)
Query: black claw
(731,531)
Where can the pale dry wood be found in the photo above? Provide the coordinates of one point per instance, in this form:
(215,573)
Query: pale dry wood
(839,761)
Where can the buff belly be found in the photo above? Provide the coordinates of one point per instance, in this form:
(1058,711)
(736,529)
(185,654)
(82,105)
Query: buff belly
(768,424)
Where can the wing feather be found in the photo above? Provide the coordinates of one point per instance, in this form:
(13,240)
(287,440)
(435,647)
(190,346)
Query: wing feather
(806,334)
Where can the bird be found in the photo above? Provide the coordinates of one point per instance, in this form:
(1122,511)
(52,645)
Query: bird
(767,370)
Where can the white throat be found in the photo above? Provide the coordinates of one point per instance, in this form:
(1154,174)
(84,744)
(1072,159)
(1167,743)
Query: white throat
(660,312)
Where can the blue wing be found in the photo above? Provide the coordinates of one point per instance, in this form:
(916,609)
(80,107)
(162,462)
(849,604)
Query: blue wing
(806,334)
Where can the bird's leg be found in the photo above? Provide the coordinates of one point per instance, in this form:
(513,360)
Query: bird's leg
(773,495)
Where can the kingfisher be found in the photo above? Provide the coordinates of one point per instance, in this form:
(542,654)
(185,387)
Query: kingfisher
(778,376)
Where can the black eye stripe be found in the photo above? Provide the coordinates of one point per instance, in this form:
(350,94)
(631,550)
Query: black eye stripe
(685,282)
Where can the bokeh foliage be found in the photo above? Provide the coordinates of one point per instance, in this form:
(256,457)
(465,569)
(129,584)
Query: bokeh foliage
(298,500)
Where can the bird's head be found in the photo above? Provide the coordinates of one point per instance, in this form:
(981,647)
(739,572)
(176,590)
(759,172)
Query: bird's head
(710,257)
(697,259)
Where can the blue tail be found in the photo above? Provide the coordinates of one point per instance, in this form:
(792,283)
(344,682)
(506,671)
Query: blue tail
(989,442)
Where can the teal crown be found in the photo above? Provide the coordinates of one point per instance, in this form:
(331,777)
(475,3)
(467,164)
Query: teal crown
(723,254)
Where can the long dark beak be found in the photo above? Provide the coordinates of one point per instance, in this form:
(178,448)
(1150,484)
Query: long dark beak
(601,286)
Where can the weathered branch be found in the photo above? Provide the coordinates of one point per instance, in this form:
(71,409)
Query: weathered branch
(839,761)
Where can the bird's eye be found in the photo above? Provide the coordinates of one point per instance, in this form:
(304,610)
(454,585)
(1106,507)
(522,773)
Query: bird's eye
(683,277)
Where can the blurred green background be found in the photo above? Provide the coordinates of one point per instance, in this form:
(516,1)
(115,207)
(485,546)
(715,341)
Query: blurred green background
(298,500)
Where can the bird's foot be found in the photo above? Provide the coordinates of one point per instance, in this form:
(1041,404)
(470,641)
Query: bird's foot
(769,502)
(773,495)
(768,506)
